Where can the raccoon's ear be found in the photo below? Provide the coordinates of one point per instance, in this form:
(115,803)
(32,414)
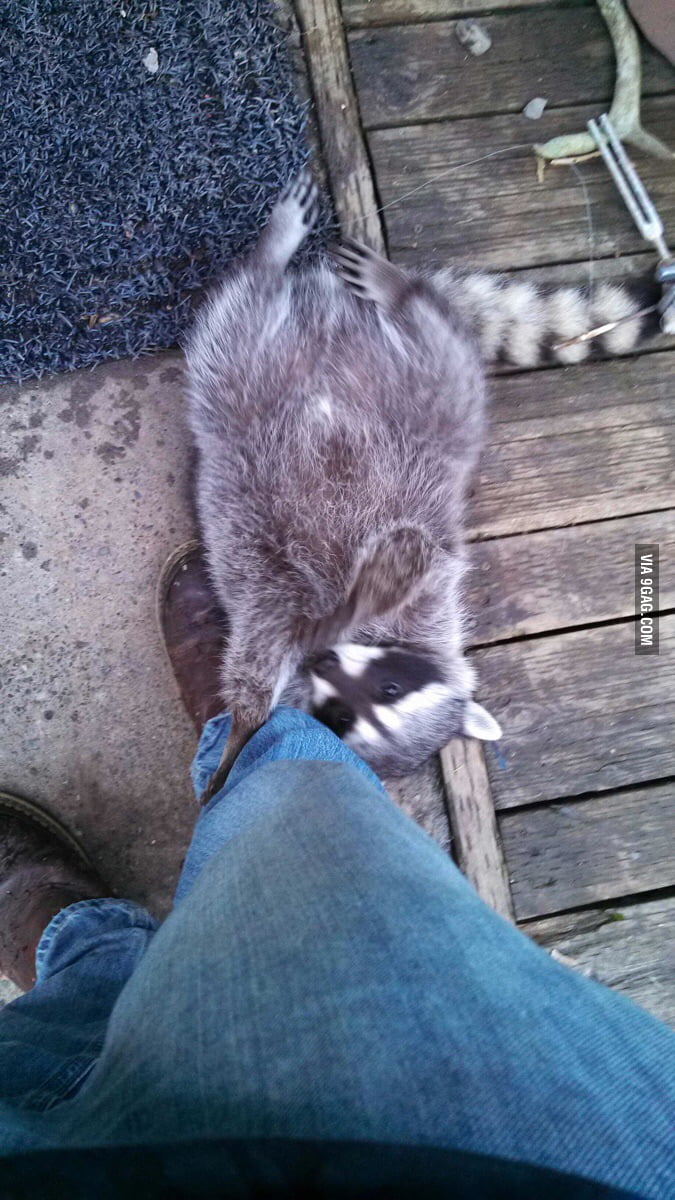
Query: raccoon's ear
(478,723)
(389,569)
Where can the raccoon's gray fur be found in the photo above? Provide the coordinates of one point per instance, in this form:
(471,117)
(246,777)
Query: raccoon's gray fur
(335,440)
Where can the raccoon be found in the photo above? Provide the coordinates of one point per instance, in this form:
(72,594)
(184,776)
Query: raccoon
(338,412)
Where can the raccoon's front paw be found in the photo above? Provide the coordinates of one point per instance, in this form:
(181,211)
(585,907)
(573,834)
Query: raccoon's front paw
(293,216)
(298,204)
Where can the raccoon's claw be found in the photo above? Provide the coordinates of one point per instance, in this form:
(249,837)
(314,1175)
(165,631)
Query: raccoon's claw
(295,185)
(241,729)
(347,270)
(312,211)
(300,197)
(351,255)
(349,259)
(367,274)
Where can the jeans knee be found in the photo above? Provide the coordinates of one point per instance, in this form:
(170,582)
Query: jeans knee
(314,788)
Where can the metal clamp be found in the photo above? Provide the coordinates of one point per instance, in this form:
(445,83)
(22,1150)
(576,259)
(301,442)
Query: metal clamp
(641,208)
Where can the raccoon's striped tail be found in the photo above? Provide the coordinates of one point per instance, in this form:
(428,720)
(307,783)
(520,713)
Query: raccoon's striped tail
(522,323)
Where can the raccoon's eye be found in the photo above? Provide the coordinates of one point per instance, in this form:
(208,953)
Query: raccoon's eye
(389,691)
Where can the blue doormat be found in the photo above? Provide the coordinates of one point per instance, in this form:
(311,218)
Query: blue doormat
(142,146)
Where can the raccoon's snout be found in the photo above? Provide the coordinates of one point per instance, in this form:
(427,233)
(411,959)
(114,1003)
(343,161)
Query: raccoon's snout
(337,715)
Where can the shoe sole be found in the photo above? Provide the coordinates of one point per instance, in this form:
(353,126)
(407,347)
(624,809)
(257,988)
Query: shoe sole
(172,566)
(28,810)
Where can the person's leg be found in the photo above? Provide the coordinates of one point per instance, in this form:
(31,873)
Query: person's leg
(288,736)
(71,949)
(68,945)
(329,974)
(51,1036)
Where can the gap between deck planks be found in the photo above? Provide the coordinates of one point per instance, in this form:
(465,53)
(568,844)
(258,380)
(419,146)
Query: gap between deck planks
(411,73)
(467,190)
(368,13)
(472,824)
(628,947)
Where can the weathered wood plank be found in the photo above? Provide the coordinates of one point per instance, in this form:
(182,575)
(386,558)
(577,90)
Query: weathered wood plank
(565,855)
(577,444)
(408,73)
(365,13)
(473,825)
(581,712)
(635,269)
(286,18)
(630,948)
(338,118)
(559,578)
(421,796)
(442,196)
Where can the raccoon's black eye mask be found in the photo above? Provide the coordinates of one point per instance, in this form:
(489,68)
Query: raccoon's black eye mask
(353,690)
(397,674)
(392,705)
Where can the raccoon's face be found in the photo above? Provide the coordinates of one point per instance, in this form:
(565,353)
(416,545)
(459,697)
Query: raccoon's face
(393,705)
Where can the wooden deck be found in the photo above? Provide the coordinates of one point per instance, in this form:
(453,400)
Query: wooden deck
(569,825)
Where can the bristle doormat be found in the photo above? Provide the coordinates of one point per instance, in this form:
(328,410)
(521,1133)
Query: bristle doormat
(142,145)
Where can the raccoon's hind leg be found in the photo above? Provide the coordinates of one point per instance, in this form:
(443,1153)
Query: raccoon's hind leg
(290,221)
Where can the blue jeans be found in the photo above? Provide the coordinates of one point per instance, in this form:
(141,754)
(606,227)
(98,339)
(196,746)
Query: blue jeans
(327,973)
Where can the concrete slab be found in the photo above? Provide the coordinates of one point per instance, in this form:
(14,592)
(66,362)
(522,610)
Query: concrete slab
(94,494)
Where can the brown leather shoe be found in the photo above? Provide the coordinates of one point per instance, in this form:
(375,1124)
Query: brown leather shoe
(194,628)
(43,869)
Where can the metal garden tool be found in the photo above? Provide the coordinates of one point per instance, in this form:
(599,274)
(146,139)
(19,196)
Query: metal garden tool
(642,210)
